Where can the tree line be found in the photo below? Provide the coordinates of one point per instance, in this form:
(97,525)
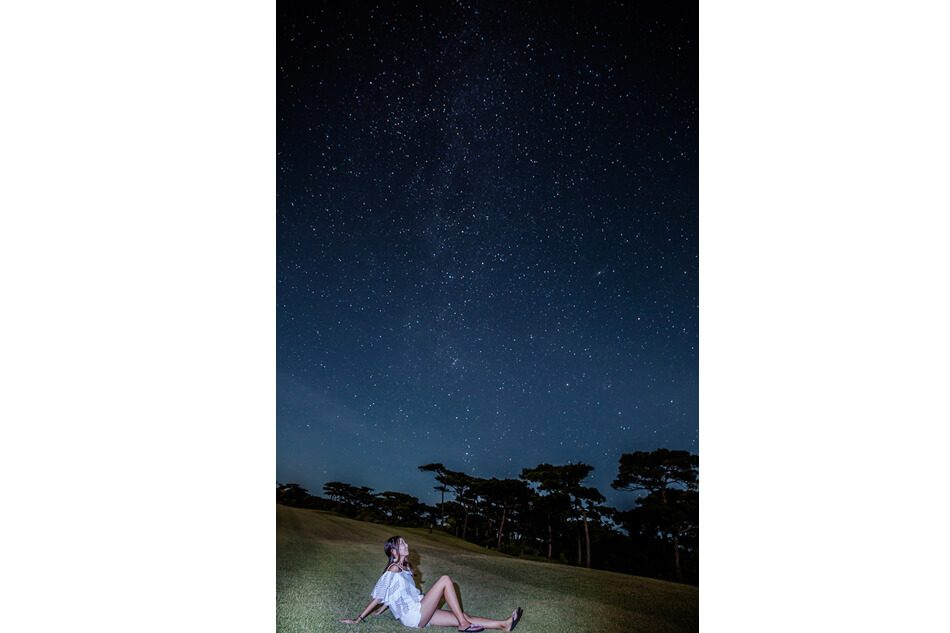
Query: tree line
(548,513)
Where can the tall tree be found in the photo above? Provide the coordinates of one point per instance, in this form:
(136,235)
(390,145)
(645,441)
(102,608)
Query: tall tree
(657,471)
(671,481)
(588,500)
(292,495)
(440,475)
(566,481)
(402,509)
(582,497)
(463,487)
(442,490)
(545,476)
(339,492)
(503,494)
(349,498)
(363,497)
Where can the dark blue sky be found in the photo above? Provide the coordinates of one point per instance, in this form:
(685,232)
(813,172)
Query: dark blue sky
(487,240)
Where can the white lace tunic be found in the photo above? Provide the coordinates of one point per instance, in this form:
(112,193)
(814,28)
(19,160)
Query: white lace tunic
(398,591)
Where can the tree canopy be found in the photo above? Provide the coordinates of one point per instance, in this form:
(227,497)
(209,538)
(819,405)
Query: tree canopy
(657,470)
(549,511)
(671,505)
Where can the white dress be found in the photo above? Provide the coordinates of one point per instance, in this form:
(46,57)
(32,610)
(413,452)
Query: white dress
(398,590)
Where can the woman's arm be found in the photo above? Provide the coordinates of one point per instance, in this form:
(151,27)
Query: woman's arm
(366,611)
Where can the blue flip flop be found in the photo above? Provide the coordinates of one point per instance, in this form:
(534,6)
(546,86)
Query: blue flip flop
(515,617)
(471,628)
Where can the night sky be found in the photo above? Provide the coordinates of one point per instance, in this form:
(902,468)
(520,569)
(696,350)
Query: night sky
(487,239)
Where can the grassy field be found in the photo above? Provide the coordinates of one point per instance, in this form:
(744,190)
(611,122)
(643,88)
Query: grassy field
(327,566)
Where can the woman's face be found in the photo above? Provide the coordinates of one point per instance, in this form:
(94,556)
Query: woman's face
(403,548)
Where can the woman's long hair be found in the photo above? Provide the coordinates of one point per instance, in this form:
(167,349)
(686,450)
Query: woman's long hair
(392,545)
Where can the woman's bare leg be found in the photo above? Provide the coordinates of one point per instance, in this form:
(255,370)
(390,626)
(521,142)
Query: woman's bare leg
(441,617)
(430,604)
(485,623)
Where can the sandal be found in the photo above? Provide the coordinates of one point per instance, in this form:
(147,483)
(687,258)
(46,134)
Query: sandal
(515,617)
(471,628)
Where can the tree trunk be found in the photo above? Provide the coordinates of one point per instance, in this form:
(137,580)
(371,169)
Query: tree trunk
(587,535)
(501,525)
(465,524)
(676,551)
(580,557)
(676,556)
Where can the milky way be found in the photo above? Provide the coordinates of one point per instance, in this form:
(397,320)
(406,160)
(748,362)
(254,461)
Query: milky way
(487,225)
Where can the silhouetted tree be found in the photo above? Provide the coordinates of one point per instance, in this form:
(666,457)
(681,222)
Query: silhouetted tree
(339,492)
(555,501)
(566,480)
(657,471)
(671,480)
(441,490)
(427,515)
(363,497)
(350,499)
(503,494)
(463,486)
(401,508)
(587,500)
(292,495)
(440,475)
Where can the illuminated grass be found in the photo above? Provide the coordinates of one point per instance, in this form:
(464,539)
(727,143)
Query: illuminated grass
(327,566)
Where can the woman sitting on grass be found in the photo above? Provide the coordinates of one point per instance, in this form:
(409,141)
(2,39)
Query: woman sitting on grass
(397,590)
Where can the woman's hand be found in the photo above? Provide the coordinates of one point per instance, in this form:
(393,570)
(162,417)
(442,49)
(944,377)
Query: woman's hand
(369,607)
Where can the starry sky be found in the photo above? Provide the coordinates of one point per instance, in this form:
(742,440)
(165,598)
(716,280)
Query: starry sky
(487,239)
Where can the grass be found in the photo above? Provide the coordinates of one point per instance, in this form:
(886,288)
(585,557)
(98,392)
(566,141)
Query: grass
(327,566)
